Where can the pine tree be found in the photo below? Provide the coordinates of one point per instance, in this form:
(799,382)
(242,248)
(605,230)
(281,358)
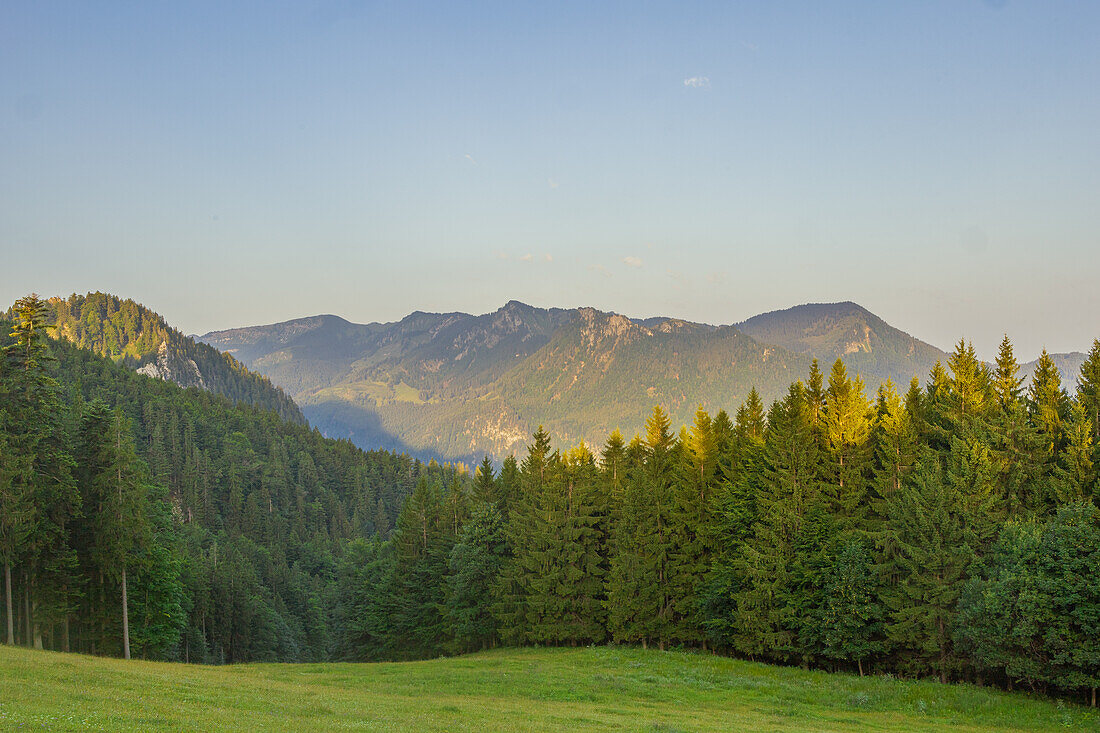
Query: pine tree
(509,485)
(969,385)
(1006,376)
(740,462)
(847,426)
(528,537)
(692,530)
(639,604)
(485,487)
(1048,403)
(750,416)
(1075,475)
(613,466)
(768,603)
(40,489)
(929,549)
(815,393)
(1088,390)
(115,484)
(851,619)
(895,440)
(1014,441)
(16,511)
(422,546)
(473,568)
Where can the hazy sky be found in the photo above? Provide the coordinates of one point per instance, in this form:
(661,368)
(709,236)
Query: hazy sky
(232,163)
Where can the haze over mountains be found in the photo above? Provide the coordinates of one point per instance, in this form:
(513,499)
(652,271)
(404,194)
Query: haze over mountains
(460,385)
(455,385)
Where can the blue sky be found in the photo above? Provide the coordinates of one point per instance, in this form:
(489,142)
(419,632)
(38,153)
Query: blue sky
(233,163)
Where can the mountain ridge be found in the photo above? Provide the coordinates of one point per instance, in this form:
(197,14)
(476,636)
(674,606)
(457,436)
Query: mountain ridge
(460,384)
(126,331)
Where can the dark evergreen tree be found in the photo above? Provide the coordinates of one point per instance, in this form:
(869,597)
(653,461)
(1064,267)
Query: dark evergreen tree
(852,618)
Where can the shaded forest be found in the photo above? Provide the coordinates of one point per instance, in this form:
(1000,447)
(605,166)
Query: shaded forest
(225,522)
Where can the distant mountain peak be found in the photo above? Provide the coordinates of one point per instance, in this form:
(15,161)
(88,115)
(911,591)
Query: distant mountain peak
(460,385)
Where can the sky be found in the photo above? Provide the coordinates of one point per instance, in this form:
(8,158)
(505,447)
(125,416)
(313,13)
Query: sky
(232,164)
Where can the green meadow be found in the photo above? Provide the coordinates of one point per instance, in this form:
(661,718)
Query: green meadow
(600,688)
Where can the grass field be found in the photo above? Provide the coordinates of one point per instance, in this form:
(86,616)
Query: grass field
(604,688)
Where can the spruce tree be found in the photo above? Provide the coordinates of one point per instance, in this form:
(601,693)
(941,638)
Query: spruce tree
(422,545)
(692,530)
(39,468)
(1048,403)
(485,487)
(1075,475)
(768,603)
(1014,441)
(115,484)
(928,545)
(750,416)
(1088,389)
(1006,376)
(847,426)
(639,604)
(474,566)
(851,618)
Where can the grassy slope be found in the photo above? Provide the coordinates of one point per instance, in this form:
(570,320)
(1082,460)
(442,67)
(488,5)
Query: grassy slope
(603,688)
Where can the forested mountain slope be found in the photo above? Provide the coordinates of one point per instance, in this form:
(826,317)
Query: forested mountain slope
(1068,365)
(868,345)
(130,333)
(460,385)
(242,515)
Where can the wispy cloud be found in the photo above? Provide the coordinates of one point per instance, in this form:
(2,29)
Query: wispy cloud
(716,278)
(552,183)
(632,261)
(470,158)
(678,277)
(697,82)
(600,269)
(528,257)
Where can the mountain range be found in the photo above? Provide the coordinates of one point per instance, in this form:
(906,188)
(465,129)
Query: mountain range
(460,385)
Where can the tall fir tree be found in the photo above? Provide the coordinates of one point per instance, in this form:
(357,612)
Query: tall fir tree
(1048,404)
(115,484)
(929,549)
(789,493)
(1088,389)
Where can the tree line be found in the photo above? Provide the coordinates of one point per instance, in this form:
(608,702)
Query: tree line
(138,517)
(950,531)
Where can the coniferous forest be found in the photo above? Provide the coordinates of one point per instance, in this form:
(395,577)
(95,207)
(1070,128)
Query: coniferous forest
(946,529)
(221,524)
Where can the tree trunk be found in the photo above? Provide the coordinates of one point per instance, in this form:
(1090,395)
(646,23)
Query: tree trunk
(26,610)
(7,604)
(65,634)
(860,663)
(125,619)
(1094,697)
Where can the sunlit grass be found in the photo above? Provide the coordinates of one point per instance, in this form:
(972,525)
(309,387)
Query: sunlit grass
(604,688)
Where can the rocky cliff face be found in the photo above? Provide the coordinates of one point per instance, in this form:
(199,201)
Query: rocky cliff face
(173,368)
